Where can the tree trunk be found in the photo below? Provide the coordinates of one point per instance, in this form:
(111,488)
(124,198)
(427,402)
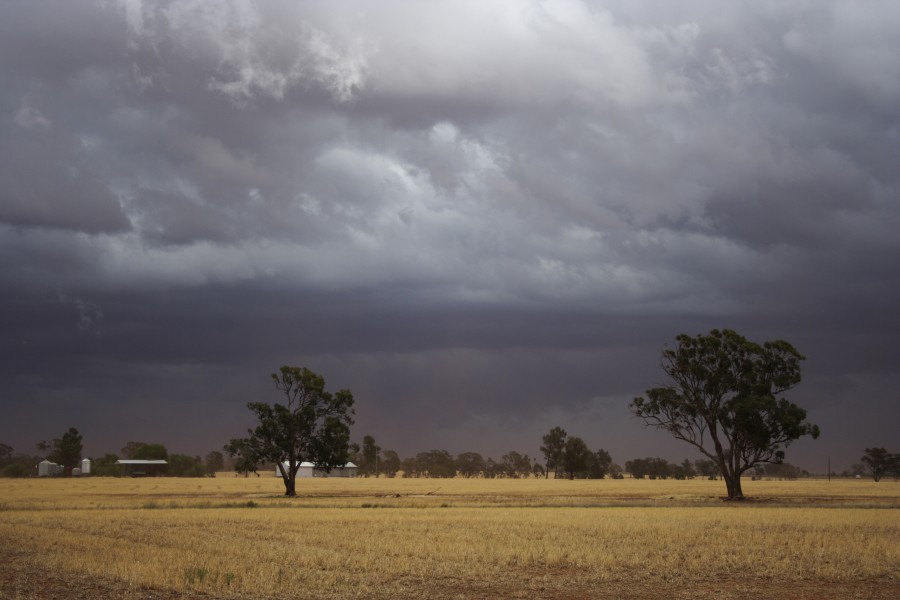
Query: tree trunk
(731,476)
(289,477)
(290,485)
(738,492)
(733,485)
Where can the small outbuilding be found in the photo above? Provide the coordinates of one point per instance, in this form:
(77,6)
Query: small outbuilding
(308,469)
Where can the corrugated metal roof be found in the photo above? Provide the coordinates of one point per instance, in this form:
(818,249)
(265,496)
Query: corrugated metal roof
(309,464)
(129,461)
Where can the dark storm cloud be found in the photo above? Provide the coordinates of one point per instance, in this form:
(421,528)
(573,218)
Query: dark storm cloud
(485,218)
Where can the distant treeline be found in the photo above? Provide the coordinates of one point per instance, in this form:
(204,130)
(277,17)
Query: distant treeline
(66,451)
(564,456)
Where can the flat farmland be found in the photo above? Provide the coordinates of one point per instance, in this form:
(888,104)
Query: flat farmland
(229,537)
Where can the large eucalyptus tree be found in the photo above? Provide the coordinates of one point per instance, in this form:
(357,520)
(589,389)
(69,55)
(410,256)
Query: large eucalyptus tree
(723,398)
(312,425)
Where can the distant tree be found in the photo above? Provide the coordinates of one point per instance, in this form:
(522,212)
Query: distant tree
(707,468)
(492,469)
(130,448)
(434,463)
(245,459)
(215,462)
(182,465)
(369,456)
(659,468)
(389,463)
(677,471)
(470,464)
(879,462)
(654,468)
(67,449)
(16,462)
(615,471)
(576,457)
(354,454)
(409,467)
(553,448)
(723,400)
(599,464)
(637,468)
(16,470)
(6,453)
(688,469)
(312,425)
(105,466)
(150,452)
(516,465)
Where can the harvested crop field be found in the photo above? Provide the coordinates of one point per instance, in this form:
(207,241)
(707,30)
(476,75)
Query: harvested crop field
(399,538)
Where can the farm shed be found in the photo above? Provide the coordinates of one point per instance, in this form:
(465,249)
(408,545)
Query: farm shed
(308,469)
(142,468)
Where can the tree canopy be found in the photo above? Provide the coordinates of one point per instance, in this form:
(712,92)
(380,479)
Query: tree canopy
(312,425)
(67,449)
(576,457)
(369,456)
(150,452)
(553,448)
(879,462)
(723,399)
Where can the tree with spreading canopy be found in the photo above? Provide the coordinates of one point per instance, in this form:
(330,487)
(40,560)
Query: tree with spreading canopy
(389,463)
(576,457)
(515,465)
(312,425)
(879,462)
(150,452)
(434,463)
(130,447)
(599,464)
(184,465)
(245,461)
(723,400)
(470,464)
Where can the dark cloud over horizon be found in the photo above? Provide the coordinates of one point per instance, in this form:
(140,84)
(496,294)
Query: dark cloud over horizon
(485,218)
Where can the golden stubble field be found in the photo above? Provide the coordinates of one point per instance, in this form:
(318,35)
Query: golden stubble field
(426,538)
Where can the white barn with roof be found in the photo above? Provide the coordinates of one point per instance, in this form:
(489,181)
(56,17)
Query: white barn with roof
(308,469)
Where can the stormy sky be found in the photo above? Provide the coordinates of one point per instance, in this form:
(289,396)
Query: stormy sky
(484,217)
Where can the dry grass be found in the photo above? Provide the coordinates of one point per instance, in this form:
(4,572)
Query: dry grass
(227,490)
(454,538)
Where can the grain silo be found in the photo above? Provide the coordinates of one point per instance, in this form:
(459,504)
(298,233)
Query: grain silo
(45,468)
